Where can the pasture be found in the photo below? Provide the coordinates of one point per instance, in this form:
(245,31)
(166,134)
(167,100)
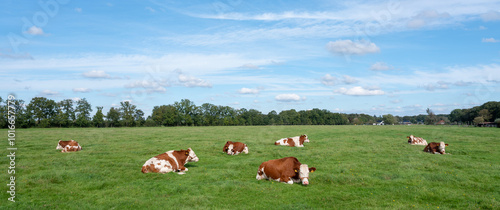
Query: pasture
(358,167)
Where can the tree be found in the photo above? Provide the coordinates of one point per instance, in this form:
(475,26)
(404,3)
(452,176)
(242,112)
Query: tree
(66,112)
(485,114)
(83,109)
(127,113)
(186,109)
(42,111)
(478,120)
(431,117)
(98,119)
(113,117)
(389,119)
(139,117)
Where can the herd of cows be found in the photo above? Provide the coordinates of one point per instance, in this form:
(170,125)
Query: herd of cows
(287,170)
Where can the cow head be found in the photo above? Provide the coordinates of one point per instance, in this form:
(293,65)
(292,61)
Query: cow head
(303,173)
(410,139)
(191,156)
(442,146)
(226,146)
(305,138)
(59,145)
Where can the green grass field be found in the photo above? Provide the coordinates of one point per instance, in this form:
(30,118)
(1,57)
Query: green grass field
(358,167)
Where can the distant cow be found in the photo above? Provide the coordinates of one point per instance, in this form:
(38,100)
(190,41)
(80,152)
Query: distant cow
(297,141)
(436,148)
(416,140)
(170,161)
(287,170)
(68,146)
(235,148)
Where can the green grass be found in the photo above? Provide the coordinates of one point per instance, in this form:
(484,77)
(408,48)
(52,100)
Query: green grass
(358,167)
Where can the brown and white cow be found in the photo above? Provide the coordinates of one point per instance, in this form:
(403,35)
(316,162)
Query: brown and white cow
(413,140)
(287,170)
(296,141)
(68,146)
(235,148)
(436,148)
(170,161)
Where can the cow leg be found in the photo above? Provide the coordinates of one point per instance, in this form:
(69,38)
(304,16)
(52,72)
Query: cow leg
(286,180)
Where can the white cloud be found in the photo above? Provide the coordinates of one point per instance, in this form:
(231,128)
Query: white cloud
(492,40)
(190,81)
(49,93)
(288,97)
(381,66)
(33,30)
(349,80)
(426,17)
(149,86)
(328,80)
(248,91)
(150,9)
(348,47)
(82,90)
(359,91)
(249,66)
(95,74)
(491,16)
(437,85)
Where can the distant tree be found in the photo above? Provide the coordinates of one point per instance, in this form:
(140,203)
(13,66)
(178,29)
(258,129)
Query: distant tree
(431,117)
(389,119)
(478,120)
(83,109)
(186,110)
(42,111)
(66,112)
(113,117)
(485,114)
(127,113)
(139,117)
(98,119)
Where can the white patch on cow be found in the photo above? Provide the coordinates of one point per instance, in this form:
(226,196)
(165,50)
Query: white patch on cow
(245,150)
(169,153)
(282,141)
(290,181)
(163,166)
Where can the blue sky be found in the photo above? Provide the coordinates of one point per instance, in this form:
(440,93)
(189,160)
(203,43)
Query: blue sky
(373,57)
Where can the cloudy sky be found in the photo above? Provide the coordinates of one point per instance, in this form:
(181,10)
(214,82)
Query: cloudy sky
(373,57)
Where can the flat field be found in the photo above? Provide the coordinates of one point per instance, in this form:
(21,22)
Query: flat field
(358,167)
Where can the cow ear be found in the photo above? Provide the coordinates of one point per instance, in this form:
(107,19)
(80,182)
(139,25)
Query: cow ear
(446,145)
(312,169)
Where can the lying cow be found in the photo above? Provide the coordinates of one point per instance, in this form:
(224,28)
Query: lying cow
(69,146)
(170,161)
(416,140)
(297,141)
(287,170)
(235,148)
(436,148)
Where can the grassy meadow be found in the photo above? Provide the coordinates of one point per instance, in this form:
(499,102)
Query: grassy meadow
(358,167)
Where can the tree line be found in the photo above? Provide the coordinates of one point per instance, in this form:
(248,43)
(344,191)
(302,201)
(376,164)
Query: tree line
(41,112)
